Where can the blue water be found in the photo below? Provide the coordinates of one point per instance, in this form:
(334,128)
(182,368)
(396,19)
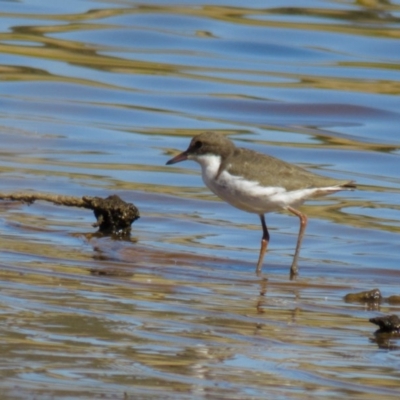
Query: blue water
(95,97)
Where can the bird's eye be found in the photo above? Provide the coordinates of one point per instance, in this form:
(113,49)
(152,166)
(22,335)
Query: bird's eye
(197,144)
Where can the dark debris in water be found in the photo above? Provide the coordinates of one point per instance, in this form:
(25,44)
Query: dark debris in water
(369,296)
(114,216)
(393,299)
(388,333)
(372,298)
(388,323)
(112,272)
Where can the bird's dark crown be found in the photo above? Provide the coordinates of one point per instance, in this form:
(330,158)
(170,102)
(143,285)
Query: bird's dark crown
(210,143)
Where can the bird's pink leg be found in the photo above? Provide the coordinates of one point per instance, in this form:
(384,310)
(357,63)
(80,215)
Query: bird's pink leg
(294,270)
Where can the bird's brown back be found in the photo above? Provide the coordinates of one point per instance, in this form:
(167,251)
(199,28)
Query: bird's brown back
(272,172)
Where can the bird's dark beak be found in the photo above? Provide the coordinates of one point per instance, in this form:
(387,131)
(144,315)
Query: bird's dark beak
(180,157)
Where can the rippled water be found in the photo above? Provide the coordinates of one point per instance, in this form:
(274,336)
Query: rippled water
(95,97)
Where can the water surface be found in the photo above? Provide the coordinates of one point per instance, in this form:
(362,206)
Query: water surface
(95,97)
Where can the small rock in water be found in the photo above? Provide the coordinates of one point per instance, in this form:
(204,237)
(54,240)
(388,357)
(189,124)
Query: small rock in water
(388,323)
(395,299)
(368,296)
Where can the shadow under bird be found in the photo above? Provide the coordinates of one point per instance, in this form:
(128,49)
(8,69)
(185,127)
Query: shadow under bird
(257,183)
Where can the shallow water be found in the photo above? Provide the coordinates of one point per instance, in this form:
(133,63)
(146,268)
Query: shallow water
(95,97)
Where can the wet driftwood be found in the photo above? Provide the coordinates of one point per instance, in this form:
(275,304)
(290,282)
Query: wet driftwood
(113,215)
